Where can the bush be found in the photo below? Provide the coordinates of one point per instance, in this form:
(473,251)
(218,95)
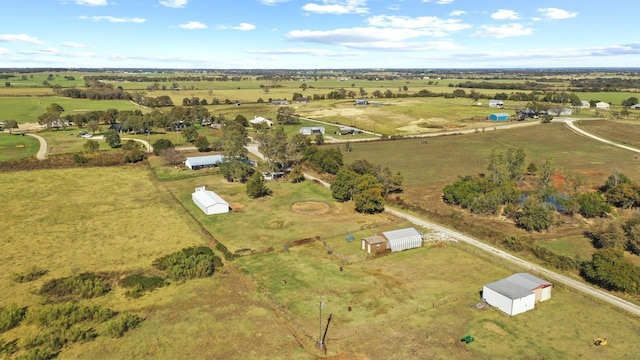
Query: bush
(83,286)
(139,284)
(11,316)
(189,263)
(118,327)
(33,273)
(67,314)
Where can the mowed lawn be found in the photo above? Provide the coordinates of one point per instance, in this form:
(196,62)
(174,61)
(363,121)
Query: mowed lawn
(417,304)
(14,147)
(259,224)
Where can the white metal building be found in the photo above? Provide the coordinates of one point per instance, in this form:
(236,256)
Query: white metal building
(312,130)
(403,239)
(209,202)
(201,162)
(260,120)
(517,293)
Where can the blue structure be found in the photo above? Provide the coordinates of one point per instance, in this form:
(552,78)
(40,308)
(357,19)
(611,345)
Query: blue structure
(499,117)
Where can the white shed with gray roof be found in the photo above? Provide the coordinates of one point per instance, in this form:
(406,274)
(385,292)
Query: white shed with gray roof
(209,202)
(201,162)
(403,239)
(517,293)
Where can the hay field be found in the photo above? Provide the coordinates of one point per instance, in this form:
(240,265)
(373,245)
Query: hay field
(17,147)
(77,220)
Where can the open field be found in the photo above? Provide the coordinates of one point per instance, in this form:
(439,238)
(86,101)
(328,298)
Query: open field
(27,109)
(623,132)
(14,147)
(250,227)
(422,308)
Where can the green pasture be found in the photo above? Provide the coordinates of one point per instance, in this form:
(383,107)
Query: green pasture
(442,159)
(14,146)
(64,141)
(422,300)
(622,132)
(27,109)
(258,224)
(577,246)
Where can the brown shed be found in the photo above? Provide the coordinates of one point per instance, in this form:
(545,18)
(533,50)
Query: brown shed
(374,244)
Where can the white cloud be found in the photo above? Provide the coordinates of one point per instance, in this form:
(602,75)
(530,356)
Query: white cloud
(49,50)
(430,24)
(72,44)
(394,7)
(113,19)
(4,51)
(504,14)
(244,27)
(337,7)
(192,25)
(273,2)
(371,38)
(21,38)
(444,2)
(556,14)
(457,13)
(91,2)
(503,31)
(174,3)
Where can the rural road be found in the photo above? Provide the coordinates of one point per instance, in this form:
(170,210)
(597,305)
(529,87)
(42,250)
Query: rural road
(42,152)
(531,267)
(574,128)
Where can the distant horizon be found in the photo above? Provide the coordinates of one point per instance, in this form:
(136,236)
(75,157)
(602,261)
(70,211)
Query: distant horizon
(138,69)
(318,34)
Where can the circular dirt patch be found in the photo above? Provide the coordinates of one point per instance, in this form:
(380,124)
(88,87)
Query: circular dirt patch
(310,208)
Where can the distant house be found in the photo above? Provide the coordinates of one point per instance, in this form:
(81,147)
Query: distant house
(117,127)
(585,104)
(303,99)
(635,107)
(347,130)
(566,112)
(202,162)
(209,202)
(403,239)
(279,102)
(496,104)
(374,244)
(362,102)
(259,120)
(499,117)
(517,293)
(312,130)
(602,105)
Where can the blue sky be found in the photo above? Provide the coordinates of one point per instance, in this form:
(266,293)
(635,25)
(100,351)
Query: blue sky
(312,34)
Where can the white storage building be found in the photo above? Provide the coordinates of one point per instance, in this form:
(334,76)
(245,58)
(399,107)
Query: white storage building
(201,162)
(403,239)
(517,293)
(209,202)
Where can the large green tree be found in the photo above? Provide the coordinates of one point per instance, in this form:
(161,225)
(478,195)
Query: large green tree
(256,186)
(273,144)
(286,116)
(162,144)
(368,197)
(534,215)
(112,138)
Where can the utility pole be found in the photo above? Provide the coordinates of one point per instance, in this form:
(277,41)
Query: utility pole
(320,331)
(325,330)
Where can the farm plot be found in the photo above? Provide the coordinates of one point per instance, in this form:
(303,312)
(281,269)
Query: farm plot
(422,301)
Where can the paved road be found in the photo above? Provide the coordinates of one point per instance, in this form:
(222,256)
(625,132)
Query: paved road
(42,152)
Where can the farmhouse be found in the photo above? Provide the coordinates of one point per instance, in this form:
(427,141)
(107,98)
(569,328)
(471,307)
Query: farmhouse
(499,117)
(635,106)
(602,105)
(496,104)
(209,202)
(362,102)
(585,104)
(517,293)
(374,244)
(259,120)
(312,130)
(202,162)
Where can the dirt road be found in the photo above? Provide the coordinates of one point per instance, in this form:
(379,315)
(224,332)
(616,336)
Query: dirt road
(42,152)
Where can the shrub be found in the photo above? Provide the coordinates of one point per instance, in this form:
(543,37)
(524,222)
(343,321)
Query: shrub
(31,274)
(118,327)
(7,348)
(139,284)
(189,263)
(83,286)
(11,316)
(65,315)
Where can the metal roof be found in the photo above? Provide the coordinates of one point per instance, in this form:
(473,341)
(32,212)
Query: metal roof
(205,160)
(403,239)
(208,198)
(518,285)
(372,240)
